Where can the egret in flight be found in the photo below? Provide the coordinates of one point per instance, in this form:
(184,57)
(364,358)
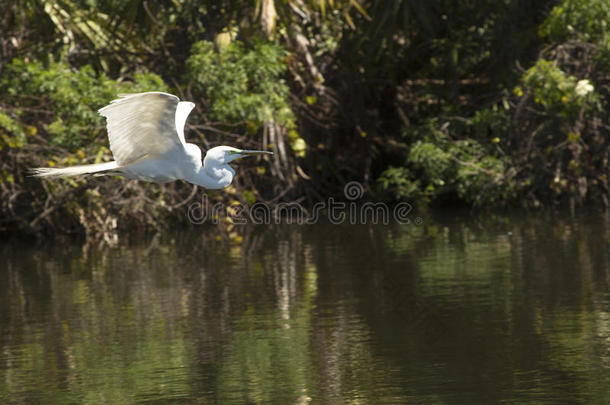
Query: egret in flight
(146,133)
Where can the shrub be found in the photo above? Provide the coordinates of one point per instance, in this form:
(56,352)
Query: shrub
(242,84)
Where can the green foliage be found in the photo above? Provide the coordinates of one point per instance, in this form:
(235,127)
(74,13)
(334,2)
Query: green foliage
(561,102)
(479,178)
(588,20)
(70,97)
(431,159)
(438,166)
(554,90)
(494,122)
(401,182)
(242,83)
(12,133)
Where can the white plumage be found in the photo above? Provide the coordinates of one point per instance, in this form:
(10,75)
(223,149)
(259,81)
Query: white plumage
(146,134)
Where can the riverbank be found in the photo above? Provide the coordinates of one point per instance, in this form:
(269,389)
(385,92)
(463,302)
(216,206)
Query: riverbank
(488,105)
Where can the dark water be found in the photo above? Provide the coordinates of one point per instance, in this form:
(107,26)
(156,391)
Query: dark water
(454,311)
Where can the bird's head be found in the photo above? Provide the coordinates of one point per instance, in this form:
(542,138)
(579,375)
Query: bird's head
(221,155)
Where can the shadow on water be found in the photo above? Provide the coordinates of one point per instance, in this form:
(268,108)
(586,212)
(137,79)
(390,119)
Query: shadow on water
(453,311)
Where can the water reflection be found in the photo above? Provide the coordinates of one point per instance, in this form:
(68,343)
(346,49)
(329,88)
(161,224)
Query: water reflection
(453,311)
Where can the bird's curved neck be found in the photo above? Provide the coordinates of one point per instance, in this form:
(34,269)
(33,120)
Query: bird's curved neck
(213,177)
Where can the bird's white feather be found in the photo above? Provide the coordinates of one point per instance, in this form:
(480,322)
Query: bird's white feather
(142,124)
(74,170)
(182,112)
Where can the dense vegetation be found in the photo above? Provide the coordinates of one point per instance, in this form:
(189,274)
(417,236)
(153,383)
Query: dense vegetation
(482,103)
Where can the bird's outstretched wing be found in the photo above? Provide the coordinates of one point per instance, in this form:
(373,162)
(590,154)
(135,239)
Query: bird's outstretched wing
(144,124)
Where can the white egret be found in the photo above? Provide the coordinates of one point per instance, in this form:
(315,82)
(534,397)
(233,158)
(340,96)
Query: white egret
(146,133)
